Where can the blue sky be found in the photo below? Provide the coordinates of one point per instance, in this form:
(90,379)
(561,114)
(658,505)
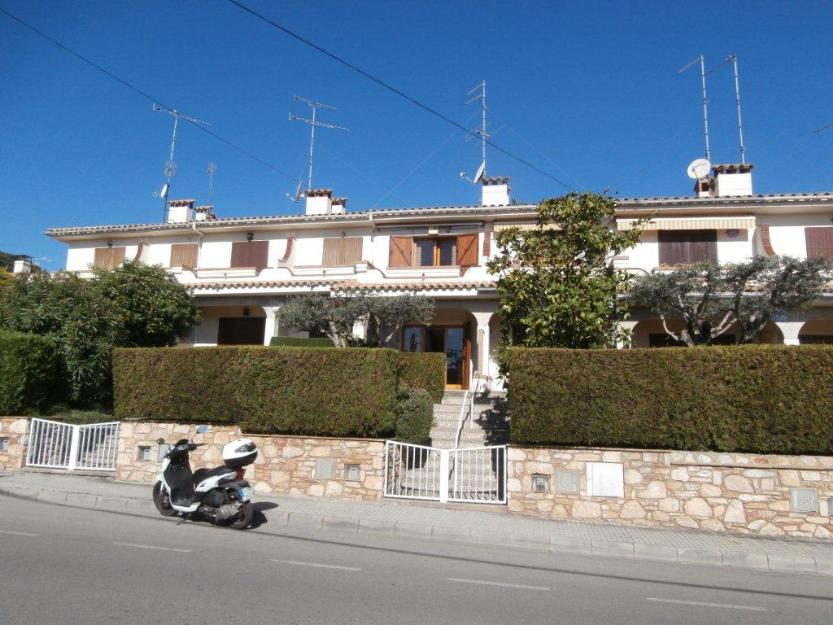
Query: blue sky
(587,91)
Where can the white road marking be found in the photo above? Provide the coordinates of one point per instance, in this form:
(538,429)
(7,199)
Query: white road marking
(725,606)
(319,565)
(483,582)
(154,547)
(12,533)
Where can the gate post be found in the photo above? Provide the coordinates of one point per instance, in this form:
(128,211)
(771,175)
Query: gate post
(73,447)
(444,475)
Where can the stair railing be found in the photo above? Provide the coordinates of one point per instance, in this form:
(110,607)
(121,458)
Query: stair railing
(467,409)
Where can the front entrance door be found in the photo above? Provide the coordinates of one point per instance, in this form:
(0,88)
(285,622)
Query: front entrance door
(453,341)
(241,330)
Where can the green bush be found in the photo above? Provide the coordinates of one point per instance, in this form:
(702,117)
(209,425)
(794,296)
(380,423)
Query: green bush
(30,373)
(425,370)
(80,417)
(315,392)
(289,341)
(753,398)
(414,416)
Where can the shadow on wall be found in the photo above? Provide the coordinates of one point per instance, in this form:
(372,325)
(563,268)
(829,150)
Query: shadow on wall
(494,420)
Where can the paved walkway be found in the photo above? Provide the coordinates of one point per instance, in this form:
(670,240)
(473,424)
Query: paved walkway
(456,523)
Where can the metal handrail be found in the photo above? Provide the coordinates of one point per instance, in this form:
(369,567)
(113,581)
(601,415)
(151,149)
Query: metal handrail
(467,409)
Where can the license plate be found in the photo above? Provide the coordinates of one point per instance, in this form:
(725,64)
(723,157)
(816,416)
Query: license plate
(245,494)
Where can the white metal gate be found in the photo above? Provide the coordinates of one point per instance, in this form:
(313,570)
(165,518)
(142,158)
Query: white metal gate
(56,445)
(474,475)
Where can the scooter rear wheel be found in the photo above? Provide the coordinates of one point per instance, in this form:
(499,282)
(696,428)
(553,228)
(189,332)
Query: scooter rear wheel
(162,501)
(244,517)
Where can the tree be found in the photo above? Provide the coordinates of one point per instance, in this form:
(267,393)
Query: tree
(150,307)
(337,316)
(712,299)
(132,306)
(558,280)
(388,315)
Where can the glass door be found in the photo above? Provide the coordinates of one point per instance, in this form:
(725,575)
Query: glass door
(453,342)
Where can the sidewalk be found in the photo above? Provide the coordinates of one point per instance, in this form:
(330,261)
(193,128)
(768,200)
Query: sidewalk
(480,525)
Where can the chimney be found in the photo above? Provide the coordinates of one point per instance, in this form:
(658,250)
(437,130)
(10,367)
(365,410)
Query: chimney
(21,265)
(180,211)
(339,206)
(319,202)
(204,213)
(495,190)
(731,180)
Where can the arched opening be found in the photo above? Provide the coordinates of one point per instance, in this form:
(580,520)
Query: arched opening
(452,331)
(816,332)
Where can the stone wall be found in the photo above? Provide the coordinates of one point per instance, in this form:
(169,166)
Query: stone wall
(12,451)
(742,493)
(286,465)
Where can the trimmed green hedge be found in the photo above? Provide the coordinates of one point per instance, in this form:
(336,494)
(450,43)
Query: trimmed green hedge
(414,416)
(316,392)
(290,341)
(30,373)
(424,370)
(752,398)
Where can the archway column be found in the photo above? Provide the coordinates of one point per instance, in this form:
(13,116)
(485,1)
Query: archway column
(790,330)
(272,323)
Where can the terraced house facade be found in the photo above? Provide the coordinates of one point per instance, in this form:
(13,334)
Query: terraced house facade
(242,269)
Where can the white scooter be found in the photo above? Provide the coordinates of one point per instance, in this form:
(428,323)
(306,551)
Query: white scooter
(221,494)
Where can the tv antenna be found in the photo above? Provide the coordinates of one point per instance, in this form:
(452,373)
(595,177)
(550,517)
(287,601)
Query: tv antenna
(733,59)
(212,169)
(480,132)
(170,166)
(313,124)
(702,62)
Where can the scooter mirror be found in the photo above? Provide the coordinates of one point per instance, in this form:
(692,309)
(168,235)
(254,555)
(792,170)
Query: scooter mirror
(160,441)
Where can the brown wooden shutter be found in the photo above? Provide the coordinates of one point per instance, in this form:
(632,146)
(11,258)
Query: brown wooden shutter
(401,251)
(108,257)
(342,252)
(184,255)
(250,254)
(686,247)
(467,250)
(819,242)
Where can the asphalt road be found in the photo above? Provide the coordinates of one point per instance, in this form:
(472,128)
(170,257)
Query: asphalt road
(64,566)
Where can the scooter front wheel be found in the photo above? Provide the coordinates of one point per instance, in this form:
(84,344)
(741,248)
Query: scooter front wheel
(162,501)
(244,517)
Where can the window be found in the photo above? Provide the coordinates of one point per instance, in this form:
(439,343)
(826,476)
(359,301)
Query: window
(108,257)
(250,254)
(686,247)
(819,242)
(342,252)
(434,251)
(184,255)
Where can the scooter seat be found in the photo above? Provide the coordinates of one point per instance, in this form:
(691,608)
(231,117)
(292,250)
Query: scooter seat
(204,474)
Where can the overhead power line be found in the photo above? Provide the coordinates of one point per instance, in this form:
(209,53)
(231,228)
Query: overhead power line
(382,83)
(143,93)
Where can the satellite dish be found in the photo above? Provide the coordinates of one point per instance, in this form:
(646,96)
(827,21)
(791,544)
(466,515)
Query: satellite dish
(699,169)
(480,171)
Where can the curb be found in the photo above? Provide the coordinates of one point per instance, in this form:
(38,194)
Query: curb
(553,543)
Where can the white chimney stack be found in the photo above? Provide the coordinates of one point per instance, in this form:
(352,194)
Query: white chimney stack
(495,190)
(21,265)
(732,180)
(322,202)
(180,211)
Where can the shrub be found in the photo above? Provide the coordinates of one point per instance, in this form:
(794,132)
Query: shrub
(315,392)
(414,416)
(30,376)
(425,370)
(753,398)
(291,341)
(81,417)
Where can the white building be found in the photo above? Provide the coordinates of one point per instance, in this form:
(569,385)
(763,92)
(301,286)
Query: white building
(242,269)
